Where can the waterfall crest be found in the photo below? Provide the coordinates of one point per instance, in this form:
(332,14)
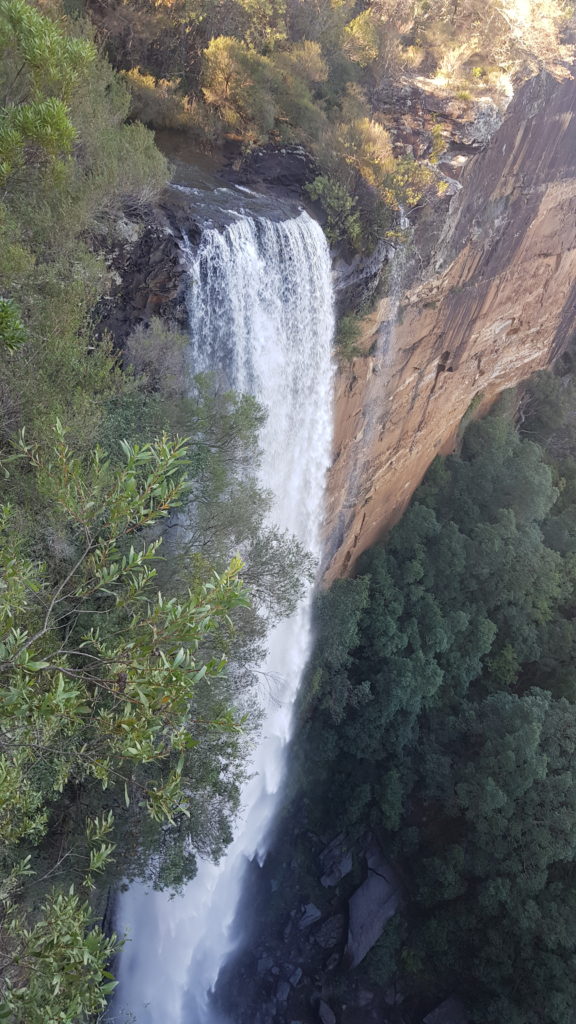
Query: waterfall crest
(261,313)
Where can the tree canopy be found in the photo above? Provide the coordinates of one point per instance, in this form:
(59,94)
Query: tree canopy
(440,715)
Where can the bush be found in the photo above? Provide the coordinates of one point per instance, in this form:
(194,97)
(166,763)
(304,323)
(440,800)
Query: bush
(342,219)
(158,353)
(348,330)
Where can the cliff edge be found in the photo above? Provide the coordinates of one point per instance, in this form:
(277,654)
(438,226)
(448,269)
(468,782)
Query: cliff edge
(495,302)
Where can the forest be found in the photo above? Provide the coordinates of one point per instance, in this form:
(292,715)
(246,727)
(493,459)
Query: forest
(440,714)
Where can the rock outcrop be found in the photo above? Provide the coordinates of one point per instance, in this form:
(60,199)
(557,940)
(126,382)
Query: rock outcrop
(289,168)
(451,1011)
(371,906)
(496,302)
(424,119)
(147,269)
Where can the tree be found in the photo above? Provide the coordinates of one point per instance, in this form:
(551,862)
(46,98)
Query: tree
(47,65)
(99,677)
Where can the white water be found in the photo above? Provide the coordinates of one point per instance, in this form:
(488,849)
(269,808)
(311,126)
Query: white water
(261,310)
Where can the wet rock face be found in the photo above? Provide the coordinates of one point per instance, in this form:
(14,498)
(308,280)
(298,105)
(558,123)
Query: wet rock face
(147,270)
(494,301)
(356,276)
(284,167)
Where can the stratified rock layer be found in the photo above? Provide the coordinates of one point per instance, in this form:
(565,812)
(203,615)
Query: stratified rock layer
(496,303)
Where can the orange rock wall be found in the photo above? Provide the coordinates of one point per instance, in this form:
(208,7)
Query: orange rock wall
(496,302)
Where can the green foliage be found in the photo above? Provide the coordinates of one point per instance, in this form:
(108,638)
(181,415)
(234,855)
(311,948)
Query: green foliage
(100,675)
(318,73)
(64,959)
(36,116)
(348,330)
(295,72)
(12,330)
(144,679)
(53,60)
(255,94)
(41,123)
(50,278)
(442,716)
(342,219)
(157,353)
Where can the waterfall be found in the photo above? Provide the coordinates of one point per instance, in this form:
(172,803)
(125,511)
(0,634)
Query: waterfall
(261,311)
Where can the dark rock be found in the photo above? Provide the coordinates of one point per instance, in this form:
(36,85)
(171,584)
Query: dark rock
(310,915)
(371,906)
(296,977)
(363,997)
(356,278)
(393,997)
(375,858)
(451,1011)
(283,991)
(148,276)
(330,932)
(325,1013)
(264,964)
(285,167)
(336,860)
(413,114)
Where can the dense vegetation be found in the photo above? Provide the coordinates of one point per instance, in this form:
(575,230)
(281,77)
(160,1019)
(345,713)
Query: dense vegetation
(441,715)
(317,72)
(127,692)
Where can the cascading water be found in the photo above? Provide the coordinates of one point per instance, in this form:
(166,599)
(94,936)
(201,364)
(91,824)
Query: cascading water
(261,311)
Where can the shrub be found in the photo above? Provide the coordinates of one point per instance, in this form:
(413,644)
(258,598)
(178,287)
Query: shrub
(348,331)
(159,353)
(342,219)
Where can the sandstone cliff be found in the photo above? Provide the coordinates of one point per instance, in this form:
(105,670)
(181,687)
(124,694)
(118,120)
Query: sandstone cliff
(496,302)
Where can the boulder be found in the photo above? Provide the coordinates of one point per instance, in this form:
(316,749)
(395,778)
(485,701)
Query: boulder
(264,964)
(283,991)
(371,906)
(332,961)
(326,1013)
(330,932)
(310,914)
(363,997)
(451,1011)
